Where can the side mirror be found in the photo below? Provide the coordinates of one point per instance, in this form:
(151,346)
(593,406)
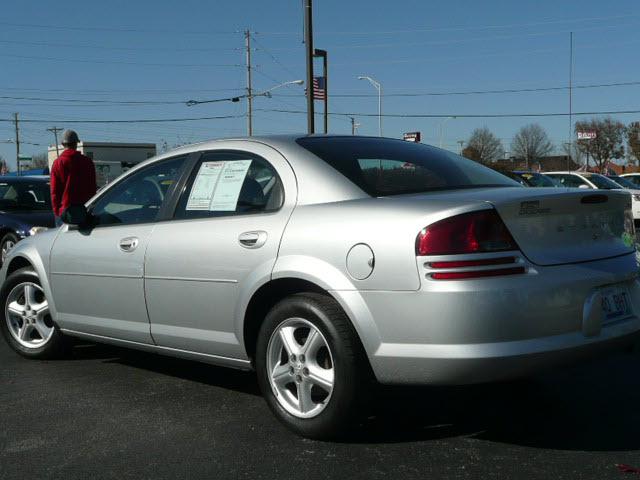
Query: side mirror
(584,186)
(75,215)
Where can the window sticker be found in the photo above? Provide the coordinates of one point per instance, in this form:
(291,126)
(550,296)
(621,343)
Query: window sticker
(204,185)
(227,191)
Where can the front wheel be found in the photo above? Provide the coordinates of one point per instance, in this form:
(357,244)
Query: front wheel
(311,367)
(6,245)
(26,321)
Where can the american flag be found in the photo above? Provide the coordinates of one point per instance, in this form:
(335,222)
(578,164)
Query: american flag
(319,88)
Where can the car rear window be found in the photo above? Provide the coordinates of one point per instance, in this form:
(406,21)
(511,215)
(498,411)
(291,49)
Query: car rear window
(385,167)
(601,181)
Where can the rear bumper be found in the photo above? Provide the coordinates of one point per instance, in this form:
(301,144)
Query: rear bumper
(474,331)
(489,362)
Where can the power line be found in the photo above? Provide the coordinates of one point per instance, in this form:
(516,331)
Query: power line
(273,57)
(116,62)
(109,102)
(458,28)
(141,120)
(457,115)
(118,29)
(133,49)
(479,92)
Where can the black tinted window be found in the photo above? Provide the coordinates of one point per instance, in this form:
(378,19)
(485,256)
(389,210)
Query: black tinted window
(384,167)
(230,183)
(25,195)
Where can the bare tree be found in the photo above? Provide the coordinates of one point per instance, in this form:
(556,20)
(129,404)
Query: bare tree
(633,140)
(571,150)
(40,160)
(486,144)
(471,153)
(531,143)
(608,143)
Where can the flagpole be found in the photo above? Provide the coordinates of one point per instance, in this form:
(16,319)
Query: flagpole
(323,53)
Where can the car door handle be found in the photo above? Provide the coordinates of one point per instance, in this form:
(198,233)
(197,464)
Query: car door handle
(129,244)
(253,239)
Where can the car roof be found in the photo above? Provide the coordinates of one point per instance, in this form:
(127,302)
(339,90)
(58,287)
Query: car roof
(24,179)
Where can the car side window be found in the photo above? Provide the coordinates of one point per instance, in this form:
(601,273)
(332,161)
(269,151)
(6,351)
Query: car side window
(230,183)
(139,197)
(570,181)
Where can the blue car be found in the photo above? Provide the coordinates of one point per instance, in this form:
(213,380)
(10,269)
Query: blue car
(25,209)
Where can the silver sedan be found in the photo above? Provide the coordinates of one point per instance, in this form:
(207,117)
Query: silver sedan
(327,264)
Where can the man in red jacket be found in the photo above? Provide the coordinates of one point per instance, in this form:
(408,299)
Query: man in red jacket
(73,176)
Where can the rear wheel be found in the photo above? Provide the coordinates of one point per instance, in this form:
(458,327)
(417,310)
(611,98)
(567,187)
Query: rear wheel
(311,367)
(26,321)
(6,245)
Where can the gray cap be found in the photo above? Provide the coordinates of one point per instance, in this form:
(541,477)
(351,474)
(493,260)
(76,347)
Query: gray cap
(69,136)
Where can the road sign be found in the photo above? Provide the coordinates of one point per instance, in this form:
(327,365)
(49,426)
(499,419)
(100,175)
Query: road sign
(411,137)
(587,135)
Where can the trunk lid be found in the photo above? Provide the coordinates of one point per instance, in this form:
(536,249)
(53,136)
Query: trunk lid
(570,226)
(555,226)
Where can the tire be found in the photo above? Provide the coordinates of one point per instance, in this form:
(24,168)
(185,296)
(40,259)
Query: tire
(6,244)
(27,326)
(324,409)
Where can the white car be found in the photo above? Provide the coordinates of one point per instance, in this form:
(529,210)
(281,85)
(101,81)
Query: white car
(597,181)
(633,178)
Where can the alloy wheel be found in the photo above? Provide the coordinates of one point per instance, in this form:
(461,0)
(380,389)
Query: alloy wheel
(300,368)
(6,248)
(27,315)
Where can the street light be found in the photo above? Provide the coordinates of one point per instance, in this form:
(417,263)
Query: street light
(267,93)
(264,93)
(379,88)
(441,129)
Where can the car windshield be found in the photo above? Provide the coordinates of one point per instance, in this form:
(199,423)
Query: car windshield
(384,167)
(624,182)
(25,195)
(536,179)
(601,182)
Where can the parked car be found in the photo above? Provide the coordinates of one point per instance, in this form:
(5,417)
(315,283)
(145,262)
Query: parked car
(325,264)
(534,179)
(25,209)
(597,181)
(623,182)
(632,177)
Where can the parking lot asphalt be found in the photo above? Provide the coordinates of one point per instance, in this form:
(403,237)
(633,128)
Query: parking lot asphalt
(113,413)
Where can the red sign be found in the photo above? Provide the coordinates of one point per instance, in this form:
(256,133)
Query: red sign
(411,137)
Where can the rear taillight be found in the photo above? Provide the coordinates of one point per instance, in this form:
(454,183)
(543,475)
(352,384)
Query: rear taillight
(475,232)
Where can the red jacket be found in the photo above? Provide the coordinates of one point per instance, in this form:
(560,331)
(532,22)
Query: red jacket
(73,180)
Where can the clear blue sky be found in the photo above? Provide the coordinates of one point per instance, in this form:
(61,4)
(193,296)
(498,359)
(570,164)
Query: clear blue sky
(171,51)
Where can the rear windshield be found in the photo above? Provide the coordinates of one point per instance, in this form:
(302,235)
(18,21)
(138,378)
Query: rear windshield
(624,182)
(537,179)
(601,182)
(383,167)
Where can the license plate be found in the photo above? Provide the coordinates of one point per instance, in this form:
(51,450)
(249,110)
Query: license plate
(615,303)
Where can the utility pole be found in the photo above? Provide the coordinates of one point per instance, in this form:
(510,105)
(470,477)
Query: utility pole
(461,143)
(354,125)
(308,40)
(570,90)
(55,131)
(323,54)
(15,119)
(247,41)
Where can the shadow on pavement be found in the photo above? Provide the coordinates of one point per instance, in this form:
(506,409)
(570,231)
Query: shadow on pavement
(589,407)
(594,406)
(236,380)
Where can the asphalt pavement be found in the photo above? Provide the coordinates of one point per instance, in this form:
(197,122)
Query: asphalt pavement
(113,413)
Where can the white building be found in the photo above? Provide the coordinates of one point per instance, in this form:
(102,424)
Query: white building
(110,159)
